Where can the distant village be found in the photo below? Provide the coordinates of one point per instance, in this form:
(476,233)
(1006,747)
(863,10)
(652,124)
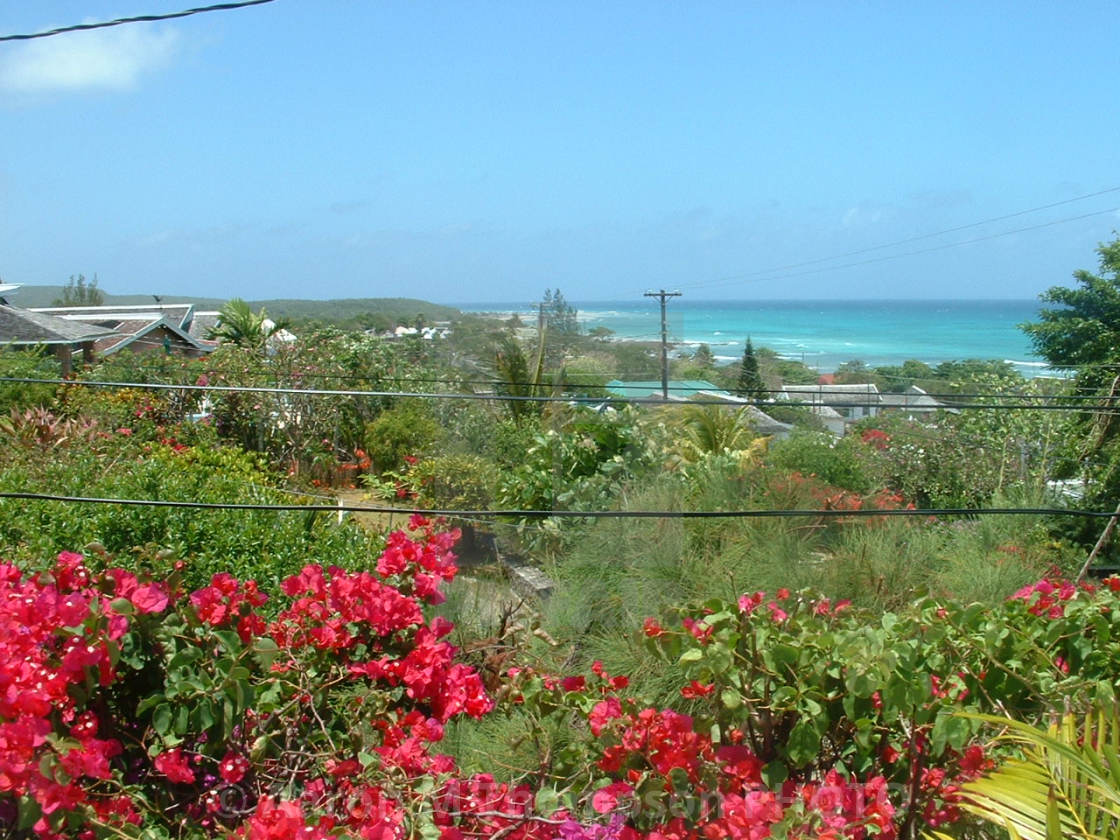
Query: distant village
(85,334)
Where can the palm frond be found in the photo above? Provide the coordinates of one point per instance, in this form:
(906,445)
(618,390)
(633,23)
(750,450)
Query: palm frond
(1066,785)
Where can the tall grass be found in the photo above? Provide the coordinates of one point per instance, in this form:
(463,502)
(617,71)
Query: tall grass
(623,571)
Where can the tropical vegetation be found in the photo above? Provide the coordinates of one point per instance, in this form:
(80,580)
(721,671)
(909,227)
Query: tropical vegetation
(747,636)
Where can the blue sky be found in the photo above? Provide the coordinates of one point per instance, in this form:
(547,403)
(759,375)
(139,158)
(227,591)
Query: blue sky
(476,151)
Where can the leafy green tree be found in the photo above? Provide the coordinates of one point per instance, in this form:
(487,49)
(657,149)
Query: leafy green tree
(750,383)
(703,356)
(779,371)
(897,378)
(80,292)
(1083,331)
(405,430)
(700,365)
(966,371)
(559,315)
(856,372)
(560,332)
(238,324)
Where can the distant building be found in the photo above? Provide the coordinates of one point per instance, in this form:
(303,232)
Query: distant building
(202,323)
(163,328)
(679,389)
(852,402)
(436,331)
(914,403)
(27,329)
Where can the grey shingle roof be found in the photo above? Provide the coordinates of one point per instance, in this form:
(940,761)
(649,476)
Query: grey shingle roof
(204,322)
(847,394)
(22,327)
(178,313)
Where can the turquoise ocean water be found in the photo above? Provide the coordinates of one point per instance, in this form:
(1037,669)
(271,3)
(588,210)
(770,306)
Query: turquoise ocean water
(824,333)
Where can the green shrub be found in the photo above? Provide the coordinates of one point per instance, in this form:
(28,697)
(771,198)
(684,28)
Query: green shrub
(266,545)
(842,462)
(406,429)
(26,364)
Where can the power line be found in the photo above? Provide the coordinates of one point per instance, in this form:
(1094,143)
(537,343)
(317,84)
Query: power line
(569,514)
(569,399)
(916,238)
(82,27)
(920,251)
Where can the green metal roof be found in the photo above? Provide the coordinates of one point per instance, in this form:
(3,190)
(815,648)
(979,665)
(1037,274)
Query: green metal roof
(679,388)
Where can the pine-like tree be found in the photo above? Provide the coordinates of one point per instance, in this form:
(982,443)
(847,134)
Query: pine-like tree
(750,383)
(80,292)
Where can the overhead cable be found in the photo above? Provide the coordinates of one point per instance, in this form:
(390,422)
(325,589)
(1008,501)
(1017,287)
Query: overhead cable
(735,279)
(82,27)
(920,237)
(568,514)
(612,400)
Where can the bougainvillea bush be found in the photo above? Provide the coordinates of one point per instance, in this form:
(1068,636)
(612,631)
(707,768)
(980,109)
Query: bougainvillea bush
(131,708)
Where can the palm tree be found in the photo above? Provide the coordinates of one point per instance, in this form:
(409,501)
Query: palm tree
(238,324)
(1067,785)
(712,429)
(511,368)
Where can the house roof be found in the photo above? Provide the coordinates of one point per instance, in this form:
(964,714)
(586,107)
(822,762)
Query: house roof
(181,314)
(678,388)
(131,322)
(204,322)
(914,399)
(23,327)
(864,394)
(135,331)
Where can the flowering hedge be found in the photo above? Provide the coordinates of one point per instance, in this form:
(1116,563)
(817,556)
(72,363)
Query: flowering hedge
(130,708)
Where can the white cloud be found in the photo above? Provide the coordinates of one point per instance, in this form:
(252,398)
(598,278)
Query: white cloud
(106,59)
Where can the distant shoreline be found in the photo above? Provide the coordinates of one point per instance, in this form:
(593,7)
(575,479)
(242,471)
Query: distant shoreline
(826,334)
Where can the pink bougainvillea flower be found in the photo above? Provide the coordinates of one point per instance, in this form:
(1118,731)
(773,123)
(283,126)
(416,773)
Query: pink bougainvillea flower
(233,767)
(149,598)
(573,683)
(606,798)
(175,766)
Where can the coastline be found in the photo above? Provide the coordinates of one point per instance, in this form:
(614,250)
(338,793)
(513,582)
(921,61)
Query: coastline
(823,334)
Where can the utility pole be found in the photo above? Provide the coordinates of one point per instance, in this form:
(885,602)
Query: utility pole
(662,294)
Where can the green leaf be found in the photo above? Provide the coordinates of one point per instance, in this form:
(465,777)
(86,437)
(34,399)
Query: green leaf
(203,715)
(184,657)
(161,719)
(547,801)
(804,743)
(774,773)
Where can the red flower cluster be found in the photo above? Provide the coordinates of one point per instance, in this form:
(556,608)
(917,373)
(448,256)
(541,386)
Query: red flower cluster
(1047,596)
(58,638)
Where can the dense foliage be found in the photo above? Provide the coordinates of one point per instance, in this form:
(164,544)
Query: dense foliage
(135,708)
(268,674)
